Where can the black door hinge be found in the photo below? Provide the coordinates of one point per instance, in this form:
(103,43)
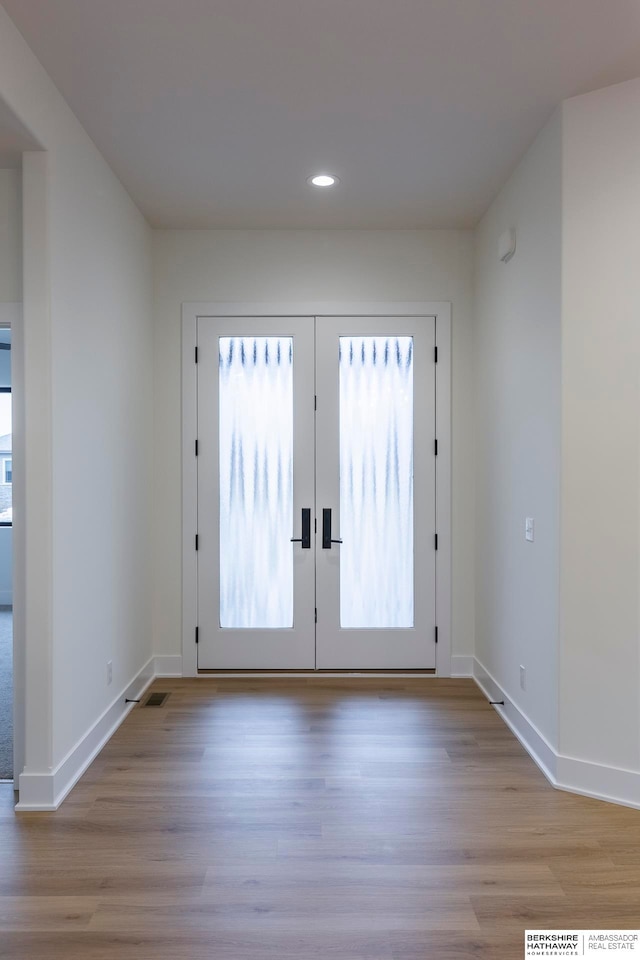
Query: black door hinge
(197,447)
(196,354)
(436,631)
(316,614)
(197,629)
(435,354)
(435,447)
(315,402)
(436,540)
(196,541)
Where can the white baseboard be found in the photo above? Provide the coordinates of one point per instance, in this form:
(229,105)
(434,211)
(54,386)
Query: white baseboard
(595,780)
(168,665)
(534,742)
(612,784)
(6,598)
(461,665)
(46,790)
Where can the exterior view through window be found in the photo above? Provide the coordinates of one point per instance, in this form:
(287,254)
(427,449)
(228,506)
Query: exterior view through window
(6,471)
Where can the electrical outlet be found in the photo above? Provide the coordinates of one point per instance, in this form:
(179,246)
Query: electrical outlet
(523,678)
(109,671)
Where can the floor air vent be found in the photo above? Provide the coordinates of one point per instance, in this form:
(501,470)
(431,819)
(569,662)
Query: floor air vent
(156,699)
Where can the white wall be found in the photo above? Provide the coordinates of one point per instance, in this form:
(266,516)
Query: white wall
(102,430)
(10,236)
(305,265)
(87,369)
(558,427)
(600,679)
(517,406)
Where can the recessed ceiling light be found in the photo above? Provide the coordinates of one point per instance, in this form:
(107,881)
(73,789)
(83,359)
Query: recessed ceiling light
(323,180)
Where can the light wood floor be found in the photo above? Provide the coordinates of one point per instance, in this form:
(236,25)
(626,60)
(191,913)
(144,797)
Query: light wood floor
(292,819)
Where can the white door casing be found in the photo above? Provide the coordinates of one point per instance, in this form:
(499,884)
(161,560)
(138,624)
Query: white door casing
(336,648)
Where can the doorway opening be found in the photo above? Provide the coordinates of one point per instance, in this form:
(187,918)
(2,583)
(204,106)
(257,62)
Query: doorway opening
(6,558)
(10,305)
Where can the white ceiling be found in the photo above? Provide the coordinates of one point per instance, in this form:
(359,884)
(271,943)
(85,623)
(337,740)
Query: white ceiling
(213,112)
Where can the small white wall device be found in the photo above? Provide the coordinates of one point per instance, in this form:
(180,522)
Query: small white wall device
(507,245)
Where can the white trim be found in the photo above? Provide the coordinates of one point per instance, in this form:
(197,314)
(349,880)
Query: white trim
(190,313)
(443,490)
(189,491)
(46,790)
(601,782)
(318,675)
(168,665)
(534,742)
(462,665)
(33,482)
(611,784)
(319,308)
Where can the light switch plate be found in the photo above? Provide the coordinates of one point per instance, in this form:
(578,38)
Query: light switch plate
(528,529)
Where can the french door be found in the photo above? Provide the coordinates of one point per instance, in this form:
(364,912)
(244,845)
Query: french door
(316,493)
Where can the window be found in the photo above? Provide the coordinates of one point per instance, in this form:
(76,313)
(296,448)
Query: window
(6,459)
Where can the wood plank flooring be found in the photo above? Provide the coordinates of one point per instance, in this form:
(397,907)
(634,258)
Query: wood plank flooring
(292,819)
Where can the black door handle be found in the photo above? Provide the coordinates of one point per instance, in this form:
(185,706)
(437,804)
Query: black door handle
(305,539)
(326,529)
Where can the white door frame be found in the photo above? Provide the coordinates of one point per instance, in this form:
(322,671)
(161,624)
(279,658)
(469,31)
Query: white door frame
(441,310)
(11,319)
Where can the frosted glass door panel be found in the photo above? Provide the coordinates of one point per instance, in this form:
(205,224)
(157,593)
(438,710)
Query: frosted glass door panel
(375,479)
(256,481)
(376,482)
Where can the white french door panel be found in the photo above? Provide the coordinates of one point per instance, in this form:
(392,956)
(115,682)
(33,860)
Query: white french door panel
(272,470)
(375,473)
(255,397)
